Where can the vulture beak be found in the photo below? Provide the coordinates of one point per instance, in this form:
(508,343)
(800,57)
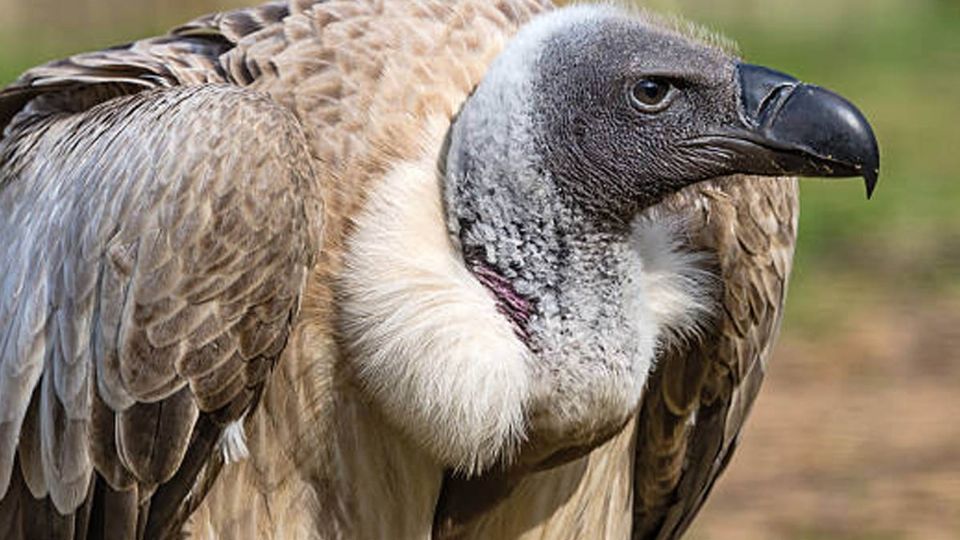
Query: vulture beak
(789,127)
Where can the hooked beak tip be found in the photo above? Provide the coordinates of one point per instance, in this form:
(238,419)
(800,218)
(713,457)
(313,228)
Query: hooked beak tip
(870,177)
(805,129)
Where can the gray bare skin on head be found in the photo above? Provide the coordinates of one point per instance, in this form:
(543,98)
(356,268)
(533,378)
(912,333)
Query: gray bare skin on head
(616,158)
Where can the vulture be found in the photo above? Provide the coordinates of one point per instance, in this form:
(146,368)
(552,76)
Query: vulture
(395,269)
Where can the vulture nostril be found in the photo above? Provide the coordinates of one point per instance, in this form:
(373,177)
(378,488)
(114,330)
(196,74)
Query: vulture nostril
(773,102)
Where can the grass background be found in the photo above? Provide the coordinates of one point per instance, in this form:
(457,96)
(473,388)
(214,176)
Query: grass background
(856,435)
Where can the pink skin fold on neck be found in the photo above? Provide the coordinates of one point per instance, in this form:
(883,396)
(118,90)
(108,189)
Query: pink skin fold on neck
(509,302)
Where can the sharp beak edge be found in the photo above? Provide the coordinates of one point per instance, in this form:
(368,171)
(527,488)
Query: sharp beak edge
(796,128)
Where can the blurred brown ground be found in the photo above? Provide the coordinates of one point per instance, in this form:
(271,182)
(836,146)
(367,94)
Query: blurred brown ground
(856,434)
(853,437)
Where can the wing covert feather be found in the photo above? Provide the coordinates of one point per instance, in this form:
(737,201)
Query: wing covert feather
(698,397)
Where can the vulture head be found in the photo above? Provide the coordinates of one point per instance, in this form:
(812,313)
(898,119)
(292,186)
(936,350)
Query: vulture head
(550,175)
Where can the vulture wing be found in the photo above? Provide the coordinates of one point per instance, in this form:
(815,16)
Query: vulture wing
(154,249)
(699,396)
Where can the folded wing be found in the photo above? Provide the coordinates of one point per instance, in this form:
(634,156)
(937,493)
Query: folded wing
(699,396)
(153,249)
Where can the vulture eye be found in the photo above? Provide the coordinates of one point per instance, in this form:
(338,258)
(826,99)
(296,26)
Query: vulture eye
(650,95)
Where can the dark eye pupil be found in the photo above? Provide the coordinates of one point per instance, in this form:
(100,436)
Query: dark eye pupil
(650,91)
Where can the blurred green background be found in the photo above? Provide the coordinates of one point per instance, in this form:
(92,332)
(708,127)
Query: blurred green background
(856,434)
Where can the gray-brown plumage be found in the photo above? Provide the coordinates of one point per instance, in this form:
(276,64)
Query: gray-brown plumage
(268,276)
(146,304)
(698,400)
